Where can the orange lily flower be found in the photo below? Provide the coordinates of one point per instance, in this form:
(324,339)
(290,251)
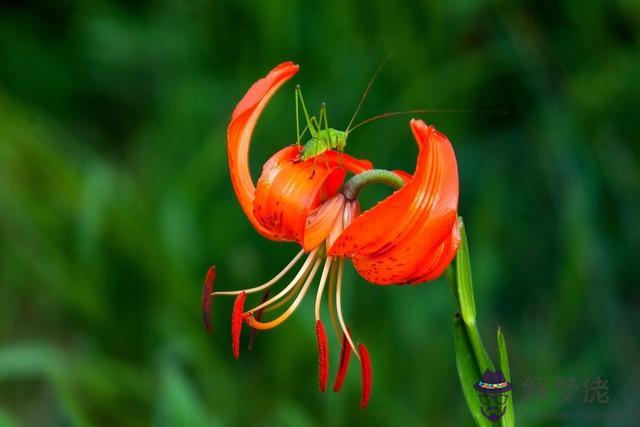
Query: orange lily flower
(409,237)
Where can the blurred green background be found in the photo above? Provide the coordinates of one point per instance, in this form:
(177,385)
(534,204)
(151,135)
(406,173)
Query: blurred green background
(115,198)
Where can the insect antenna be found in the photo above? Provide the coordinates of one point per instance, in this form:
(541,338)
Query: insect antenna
(366,91)
(446,110)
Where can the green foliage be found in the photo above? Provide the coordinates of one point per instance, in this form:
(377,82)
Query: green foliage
(115,198)
(508,420)
(464,279)
(468,371)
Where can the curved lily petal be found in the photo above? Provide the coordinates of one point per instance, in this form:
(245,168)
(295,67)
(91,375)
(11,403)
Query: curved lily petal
(288,190)
(243,121)
(441,258)
(411,236)
(343,160)
(322,220)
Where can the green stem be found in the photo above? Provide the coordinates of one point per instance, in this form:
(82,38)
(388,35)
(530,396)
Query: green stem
(470,325)
(482,357)
(450,276)
(374,176)
(472,358)
(462,287)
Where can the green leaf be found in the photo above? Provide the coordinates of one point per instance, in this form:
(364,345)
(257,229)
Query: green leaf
(450,276)
(463,277)
(468,371)
(466,300)
(508,420)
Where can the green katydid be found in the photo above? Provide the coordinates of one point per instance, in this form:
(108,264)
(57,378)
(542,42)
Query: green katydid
(324,138)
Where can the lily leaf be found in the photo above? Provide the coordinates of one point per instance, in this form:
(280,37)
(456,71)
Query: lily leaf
(450,276)
(508,420)
(468,371)
(467,302)
(463,277)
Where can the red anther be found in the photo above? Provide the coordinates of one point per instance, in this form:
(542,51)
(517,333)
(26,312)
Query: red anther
(252,337)
(236,323)
(365,363)
(207,290)
(345,356)
(323,356)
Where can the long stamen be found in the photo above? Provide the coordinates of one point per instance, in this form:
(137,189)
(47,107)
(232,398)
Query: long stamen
(252,336)
(236,323)
(323,356)
(207,289)
(270,282)
(303,271)
(365,363)
(339,307)
(292,293)
(323,345)
(284,316)
(332,299)
(345,356)
(323,280)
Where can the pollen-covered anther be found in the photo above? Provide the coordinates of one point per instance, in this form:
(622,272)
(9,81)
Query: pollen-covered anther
(323,356)
(207,290)
(365,365)
(345,356)
(236,323)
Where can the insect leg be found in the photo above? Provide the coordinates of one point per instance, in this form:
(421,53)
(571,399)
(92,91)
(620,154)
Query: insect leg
(329,143)
(319,145)
(306,114)
(332,144)
(315,123)
(297,115)
(313,171)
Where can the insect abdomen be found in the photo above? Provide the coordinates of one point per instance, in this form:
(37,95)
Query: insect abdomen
(313,148)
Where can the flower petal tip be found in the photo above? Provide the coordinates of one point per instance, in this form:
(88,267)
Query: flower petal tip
(236,323)
(207,290)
